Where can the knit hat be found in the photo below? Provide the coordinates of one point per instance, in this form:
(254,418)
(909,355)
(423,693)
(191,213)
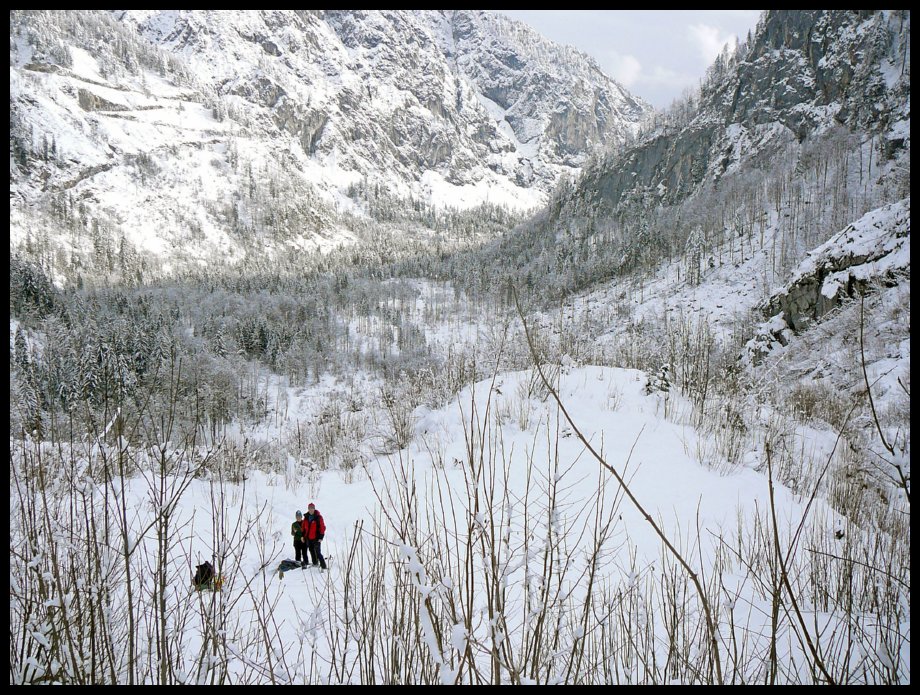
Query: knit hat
(298,513)
(311,506)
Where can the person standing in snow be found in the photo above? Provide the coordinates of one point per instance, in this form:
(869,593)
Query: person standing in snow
(300,545)
(314,528)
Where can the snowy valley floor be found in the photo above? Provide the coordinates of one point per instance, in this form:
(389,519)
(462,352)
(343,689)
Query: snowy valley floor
(493,548)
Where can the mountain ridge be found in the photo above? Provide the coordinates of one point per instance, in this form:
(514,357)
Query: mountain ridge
(288,130)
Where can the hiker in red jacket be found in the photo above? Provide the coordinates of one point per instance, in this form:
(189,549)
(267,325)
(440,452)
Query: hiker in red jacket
(314,528)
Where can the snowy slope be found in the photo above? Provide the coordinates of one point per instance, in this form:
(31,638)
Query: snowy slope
(874,250)
(778,189)
(483,538)
(846,304)
(380,105)
(555,101)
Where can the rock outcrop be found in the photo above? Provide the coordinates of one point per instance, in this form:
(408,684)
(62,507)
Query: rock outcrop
(874,250)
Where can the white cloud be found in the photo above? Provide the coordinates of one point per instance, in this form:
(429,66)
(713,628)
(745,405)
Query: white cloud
(654,54)
(660,75)
(624,68)
(709,40)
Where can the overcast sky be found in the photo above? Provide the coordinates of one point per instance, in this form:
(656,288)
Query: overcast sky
(655,54)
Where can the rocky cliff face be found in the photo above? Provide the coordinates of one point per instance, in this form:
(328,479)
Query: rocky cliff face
(802,73)
(552,97)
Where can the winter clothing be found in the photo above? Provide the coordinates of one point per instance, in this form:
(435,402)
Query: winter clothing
(314,526)
(316,554)
(300,545)
(314,529)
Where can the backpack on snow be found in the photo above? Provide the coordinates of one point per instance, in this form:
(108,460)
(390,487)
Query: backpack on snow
(286,566)
(204,576)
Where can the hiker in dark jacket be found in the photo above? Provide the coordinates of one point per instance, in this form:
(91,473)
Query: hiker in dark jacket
(300,546)
(314,528)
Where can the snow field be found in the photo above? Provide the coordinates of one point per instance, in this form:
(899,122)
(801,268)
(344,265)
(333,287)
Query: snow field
(492,522)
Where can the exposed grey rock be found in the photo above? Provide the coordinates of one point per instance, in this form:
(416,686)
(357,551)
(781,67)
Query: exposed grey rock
(292,124)
(94,102)
(872,252)
(409,92)
(805,70)
(841,270)
(259,90)
(550,93)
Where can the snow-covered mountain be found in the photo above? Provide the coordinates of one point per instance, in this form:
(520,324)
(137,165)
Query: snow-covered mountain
(182,131)
(801,132)
(755,211)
